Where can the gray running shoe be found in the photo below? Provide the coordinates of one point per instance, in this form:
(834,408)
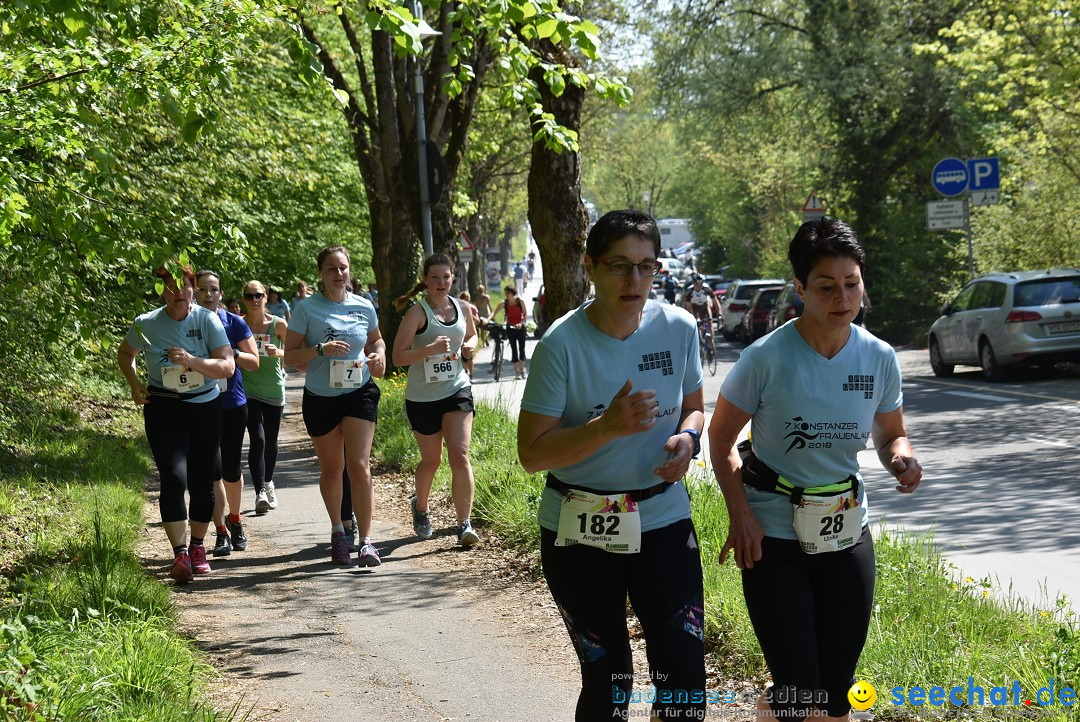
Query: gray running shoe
(350,535)
(369,556)
(467,536)
(421,522)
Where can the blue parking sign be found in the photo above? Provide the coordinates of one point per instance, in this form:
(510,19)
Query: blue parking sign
(983,174)
(950,177)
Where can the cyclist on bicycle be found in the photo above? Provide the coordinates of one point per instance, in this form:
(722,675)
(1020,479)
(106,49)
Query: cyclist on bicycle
(701,302)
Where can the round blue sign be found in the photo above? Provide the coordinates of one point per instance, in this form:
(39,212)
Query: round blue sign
(950,177)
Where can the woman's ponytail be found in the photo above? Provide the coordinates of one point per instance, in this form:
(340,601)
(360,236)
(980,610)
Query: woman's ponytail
(402,301)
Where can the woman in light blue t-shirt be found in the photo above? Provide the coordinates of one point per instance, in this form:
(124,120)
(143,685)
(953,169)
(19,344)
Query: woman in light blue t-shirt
(613,409)
(817,389)
(186,352)
(334,336)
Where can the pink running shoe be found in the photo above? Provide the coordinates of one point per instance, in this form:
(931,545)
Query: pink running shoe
(339,549)
(199,565)
(369,555)
(181,568)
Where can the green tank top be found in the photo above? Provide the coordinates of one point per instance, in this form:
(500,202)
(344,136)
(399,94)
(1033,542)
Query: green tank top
(267,384)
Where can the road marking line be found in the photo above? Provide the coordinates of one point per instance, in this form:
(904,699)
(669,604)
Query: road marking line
(1041,397)
(1038,440)
(984,397)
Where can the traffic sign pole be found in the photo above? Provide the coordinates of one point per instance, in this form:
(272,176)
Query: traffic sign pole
(971,245)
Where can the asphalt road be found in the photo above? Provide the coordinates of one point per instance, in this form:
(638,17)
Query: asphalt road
(1001,481)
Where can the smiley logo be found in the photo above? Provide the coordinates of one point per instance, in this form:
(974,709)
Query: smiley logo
(862,695)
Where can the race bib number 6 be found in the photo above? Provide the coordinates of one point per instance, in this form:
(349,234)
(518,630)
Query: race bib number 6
(178,378)
(346,373)
(611,523)
(443,367)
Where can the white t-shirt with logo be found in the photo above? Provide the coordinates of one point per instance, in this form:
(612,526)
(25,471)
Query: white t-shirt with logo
(812,415)
(575,372)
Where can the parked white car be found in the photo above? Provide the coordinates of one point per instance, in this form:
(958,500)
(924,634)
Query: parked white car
(1008,319)
(678,270)
(737,299)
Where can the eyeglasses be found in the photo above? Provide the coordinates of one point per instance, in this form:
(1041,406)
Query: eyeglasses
(623,268)
(254,296)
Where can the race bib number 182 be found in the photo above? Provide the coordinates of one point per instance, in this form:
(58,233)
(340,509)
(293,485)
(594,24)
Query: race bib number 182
(611,523)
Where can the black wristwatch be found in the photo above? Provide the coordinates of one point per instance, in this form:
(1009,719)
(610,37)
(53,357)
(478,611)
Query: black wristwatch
(697,441)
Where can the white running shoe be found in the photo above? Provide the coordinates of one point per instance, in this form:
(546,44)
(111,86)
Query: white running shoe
(271,494)
(262,504)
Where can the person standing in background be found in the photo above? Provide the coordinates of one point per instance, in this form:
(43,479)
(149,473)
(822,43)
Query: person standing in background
(277,305)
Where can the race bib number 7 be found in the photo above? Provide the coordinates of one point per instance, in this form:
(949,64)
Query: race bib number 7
(611,523)
(346,373)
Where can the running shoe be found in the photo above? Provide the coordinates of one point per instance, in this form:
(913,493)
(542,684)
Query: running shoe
(467,536)
(236,531)
(262,503)
(339,549)
(369,556)
(199,565)
(421,522)
(271,494)
(181,568)
(350,535)
(222,545)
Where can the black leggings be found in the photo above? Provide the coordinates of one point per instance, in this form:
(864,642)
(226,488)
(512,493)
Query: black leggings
(184,438)
(516,338)
(663,581)
(229,462)
(263,425)
(811,613)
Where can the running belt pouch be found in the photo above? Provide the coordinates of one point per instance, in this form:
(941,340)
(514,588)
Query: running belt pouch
(755,472)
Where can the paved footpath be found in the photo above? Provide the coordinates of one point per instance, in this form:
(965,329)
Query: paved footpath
(305,640)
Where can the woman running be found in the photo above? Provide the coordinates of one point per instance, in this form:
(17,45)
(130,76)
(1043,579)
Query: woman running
(335,336)
(228,484)
(815,391)
(186,352)
(433,338)
(614,410)
(265,389)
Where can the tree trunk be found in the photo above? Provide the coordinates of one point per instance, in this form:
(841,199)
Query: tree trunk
(557,214)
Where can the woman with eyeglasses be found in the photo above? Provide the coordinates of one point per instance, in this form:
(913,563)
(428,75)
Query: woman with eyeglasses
(516,315)
(335,336)
(229,461)
(265,388)
(614,410)
(186,352)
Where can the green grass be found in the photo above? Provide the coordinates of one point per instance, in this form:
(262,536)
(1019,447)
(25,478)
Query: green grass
(85,633)
(929,627)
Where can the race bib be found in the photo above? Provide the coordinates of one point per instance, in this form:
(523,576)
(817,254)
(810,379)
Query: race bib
(611,523)
(828,523)
(443,367)
(180,379)
(223,384)
(346,373)
(261,339)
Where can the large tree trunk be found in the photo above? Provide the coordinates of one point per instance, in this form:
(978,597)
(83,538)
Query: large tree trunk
(557,214)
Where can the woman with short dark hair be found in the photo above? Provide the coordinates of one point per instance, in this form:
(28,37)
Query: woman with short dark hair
(815,391)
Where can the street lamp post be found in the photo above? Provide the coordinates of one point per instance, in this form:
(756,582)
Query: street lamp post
(421,134)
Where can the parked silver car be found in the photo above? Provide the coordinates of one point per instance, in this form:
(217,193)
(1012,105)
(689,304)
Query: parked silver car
(737,299)
(1007,319)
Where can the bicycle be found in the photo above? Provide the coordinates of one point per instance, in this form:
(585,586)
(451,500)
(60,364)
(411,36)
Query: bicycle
(495,332)
(707,345)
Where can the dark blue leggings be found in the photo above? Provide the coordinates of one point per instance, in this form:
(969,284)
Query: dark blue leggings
(663,581)
(263,425)
(811,613)
(184,438)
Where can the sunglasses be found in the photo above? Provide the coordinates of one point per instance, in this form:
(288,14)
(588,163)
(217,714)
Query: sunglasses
(254,296)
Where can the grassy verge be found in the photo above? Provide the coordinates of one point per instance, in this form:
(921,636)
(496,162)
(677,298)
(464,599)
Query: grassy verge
(930,627)
(85,633)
